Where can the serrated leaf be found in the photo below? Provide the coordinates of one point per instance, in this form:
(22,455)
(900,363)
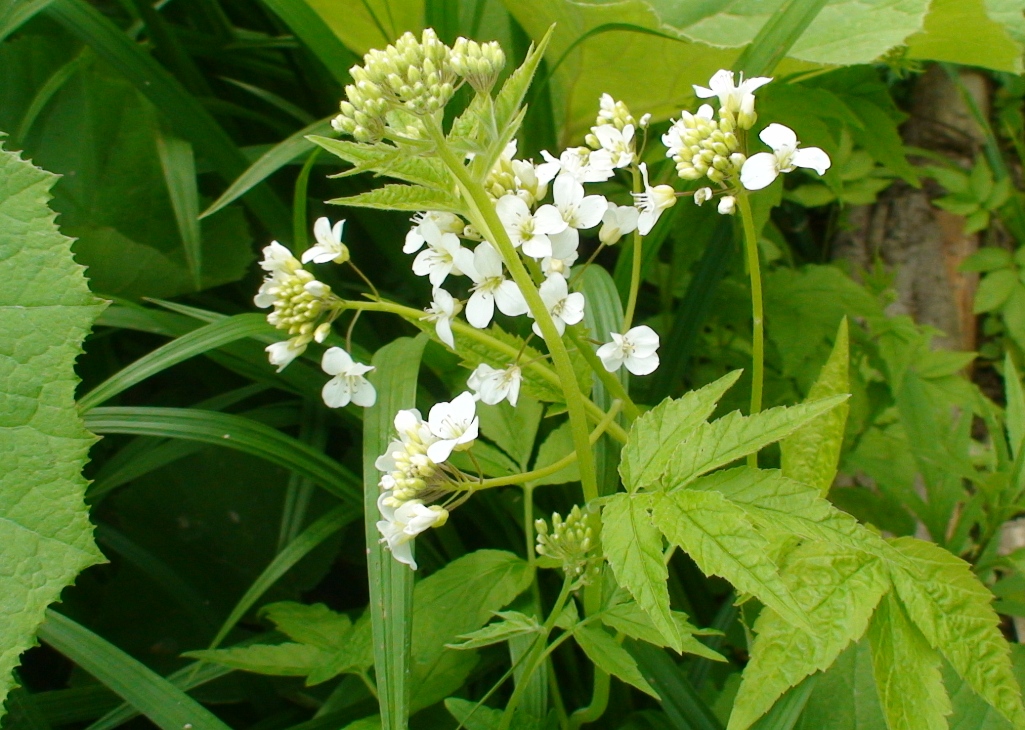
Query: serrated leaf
(513,624)
(734,436)
(838,590)
(411,198)
(315,624)
(655,435)
(907,671)
(610,657)
(630,619)
(46,311)
(475,352)
(391,162)
(845,697)
(811,453)
(633,546)
(952,610)
(720,538)
(279,660)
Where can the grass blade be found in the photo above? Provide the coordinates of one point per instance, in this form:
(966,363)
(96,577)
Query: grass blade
(270,162)
(186,115)
(284,561)
(233,432)
(281,104)
(179,167)
(167,706)
(775,39)
(311,29)
(680,700)
(208,337)
(391,582)
(48,89)
(17,14)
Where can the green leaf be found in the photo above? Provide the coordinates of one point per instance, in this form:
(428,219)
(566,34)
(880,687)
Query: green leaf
(1015,414)
(316,624)
(46,311)
(610,657)
(278,660)
(317,35)
(233,432)
(17,14)
(194,343)
(907,671)
(837,590)
(512,428)
(722,541)
(288,149)
(960,31)
(403,197)
(994,289)
(685,707)
(657,433)
(371,24)
(734,436)
(388,161)
(179,166)
(557,445)
(811,454)
(513,624)
(844,697)
(167,706)
(952,610)
(396,365)
(630,619)
(633,547)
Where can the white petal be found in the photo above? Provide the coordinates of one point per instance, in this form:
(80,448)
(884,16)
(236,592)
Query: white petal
(439,451)
(702,93)
(611,356)
(364,395)
(335,361)
(337,392)
(573,309)
(487,262)
(642,336)
(444,329)
(322,230)
(511,210)
(514,388)
(548,219)
(812,158)
(759,171)
(590,211)
(480,309)
(705,111)
(778,137)
(510,299)
(567,191)
(646,221)
(553,290)
(642,365)
(747,86)
(538,246)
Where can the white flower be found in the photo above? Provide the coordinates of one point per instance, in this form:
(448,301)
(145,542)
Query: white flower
(455,426)
(446,223)
(618,143)
(529,230)
(491,288)
(577,210)
(443,255)
(564,253)
(565,308)
(442,310)
(329,244)
(636,348)
(493,386)
(579,162)
(348,384)
(277,258)
(617,222)
(529,188)
(652,202)
(761,169)
(403,523)
(727,205)
(282,353)
(731,96)
(701,195)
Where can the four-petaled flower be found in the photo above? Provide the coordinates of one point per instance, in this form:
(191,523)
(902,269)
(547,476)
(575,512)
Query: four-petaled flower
(529,230)
(652,202)
(443,308)
(348,384)
(731,95)
(565,308)
(443,255)
(455,426)
(493,386)
(584,164)
(329,244)
(761,169)
(491,288)
(636,348)
(446,223)
(618,143)
(403,523)
(577,211)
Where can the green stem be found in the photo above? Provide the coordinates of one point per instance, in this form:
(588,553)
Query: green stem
(595,413)
(599,701)
(483,216)
(758,333)
(635,271)
(611,382)
(300,232)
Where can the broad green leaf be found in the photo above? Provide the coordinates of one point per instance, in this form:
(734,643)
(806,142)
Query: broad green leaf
(630,619)
(513,624)
(46,312)
(609,656)
(722,541)
(1015,407)
(734,436)
(315,624)
(811,454)
(557,445)
(490,461)
(633,547)
(994,289)
(512,428)
(397,365)
(388,161)
(844,697)
(952,610)
(658,432)
(970,712)
(371,24)
(837,590)
(961,31)
(476,716)
(278,660)
(403,197)
(907,671)
(167,706)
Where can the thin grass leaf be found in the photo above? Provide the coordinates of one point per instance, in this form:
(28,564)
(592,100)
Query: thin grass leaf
(785,713)
(391,583)
(298,113)
(680,700)
(179,166)
(167,706)
(17,14)
(316,35)
(204,339)
(233,432)
(47,90)
(777,37)
(186,115)
(284,561)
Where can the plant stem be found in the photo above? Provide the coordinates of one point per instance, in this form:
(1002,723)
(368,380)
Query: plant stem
(610,381)
(483,216)
(599,701)
(758,333)
(635,271)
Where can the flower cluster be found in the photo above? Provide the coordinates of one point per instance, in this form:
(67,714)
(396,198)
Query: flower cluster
(568,542)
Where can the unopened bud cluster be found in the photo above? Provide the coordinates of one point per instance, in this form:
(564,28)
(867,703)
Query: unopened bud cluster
(415,75)
(515,177)
(478,63)
(414,472)
(569,541)
(611,112)
(703,147)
